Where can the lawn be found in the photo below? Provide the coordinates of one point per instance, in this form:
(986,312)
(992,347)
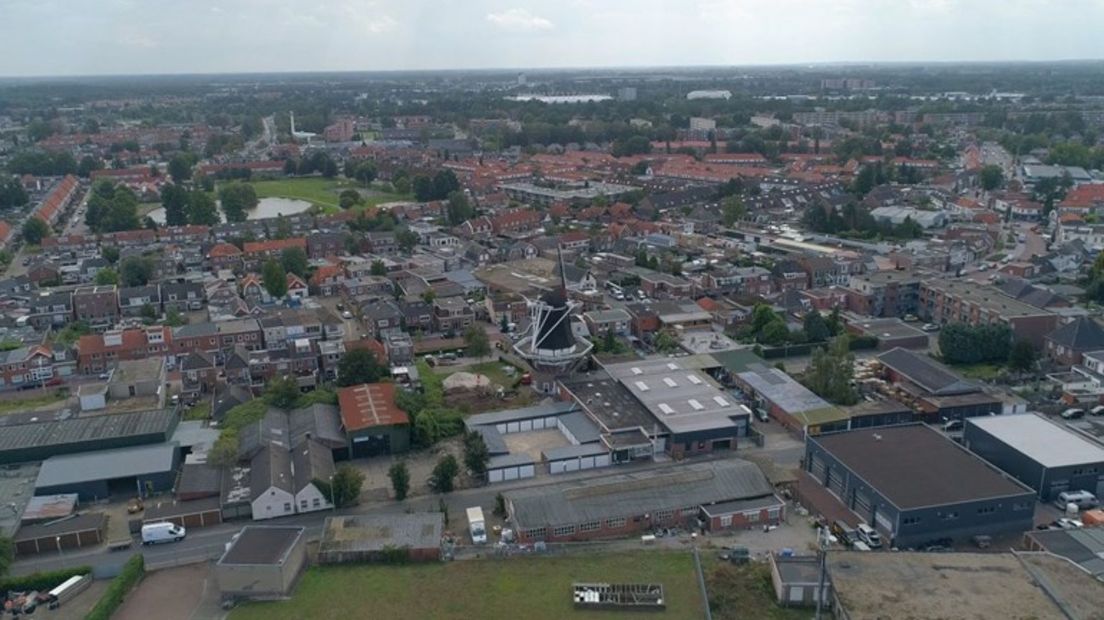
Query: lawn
(533,588)
(493,370)
(14,405)
(738,592)
(319,191)
(979,372)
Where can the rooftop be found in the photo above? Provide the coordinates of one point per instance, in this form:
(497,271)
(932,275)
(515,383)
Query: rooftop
(682,399)
(912,465)
(782,389)
(1041,440)
(637,493)
(986,297)
(872,586)
(376,532)
(368,405)
(262,544)
(609,402)
(106,465)
(926,372)
(86,429)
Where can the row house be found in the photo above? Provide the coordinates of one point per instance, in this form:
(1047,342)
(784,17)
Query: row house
(182,296)
(452,314)
(299,361)
(743,281)
(382,318)
(30,366)
(959,301)
(417,316)
(516,222)
(365,286)
(789,276)
(255,253)
(132,299)
(140,238)
(217,337)
(476,228)
(325,280)
(225,256)
(325,244)
(53,309)
(822,271)
(190,234)
(284,325)
(198,373)
(99,352)
(330,353)
(658,285)
(380,242)
(884,294)
(96,306)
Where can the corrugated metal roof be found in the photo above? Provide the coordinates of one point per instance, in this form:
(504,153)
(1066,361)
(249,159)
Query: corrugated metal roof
(1040,440)
(106,465)
(84,429)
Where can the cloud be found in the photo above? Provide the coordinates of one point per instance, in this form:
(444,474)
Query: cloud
(519,20)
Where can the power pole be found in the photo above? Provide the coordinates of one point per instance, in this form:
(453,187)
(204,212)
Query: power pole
(822,543)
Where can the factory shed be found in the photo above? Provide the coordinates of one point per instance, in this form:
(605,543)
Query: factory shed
(125,472)
(38,441)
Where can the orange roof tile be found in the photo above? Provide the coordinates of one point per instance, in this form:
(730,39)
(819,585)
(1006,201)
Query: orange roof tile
(369,405)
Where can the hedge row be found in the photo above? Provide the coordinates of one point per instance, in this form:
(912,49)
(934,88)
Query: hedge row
(855,343)
(113,597)
(47,580)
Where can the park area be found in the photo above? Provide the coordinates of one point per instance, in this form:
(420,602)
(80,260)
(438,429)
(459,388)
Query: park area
(533,588)
(322,192)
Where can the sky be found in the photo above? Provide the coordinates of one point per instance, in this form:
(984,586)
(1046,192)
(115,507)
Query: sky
(108,37)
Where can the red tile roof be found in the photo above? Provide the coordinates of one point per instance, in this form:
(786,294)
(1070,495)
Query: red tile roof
(133,339)
(274,245)
(223,250)
(369,405)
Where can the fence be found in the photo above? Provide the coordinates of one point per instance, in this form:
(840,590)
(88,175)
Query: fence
(188,556)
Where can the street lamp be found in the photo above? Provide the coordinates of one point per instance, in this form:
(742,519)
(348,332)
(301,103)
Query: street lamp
(333,504)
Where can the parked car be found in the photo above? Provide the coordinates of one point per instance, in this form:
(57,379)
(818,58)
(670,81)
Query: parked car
(845,533)
(1072,413)
(1097,410)
(930,327)
(869,536)
(952,425)
(1082,499)
(1069,524)
(345,314)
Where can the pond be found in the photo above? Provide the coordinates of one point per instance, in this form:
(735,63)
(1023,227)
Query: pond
(268,207)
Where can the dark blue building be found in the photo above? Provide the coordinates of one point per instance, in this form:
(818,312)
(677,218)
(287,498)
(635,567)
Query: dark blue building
(139,471)
(916,486)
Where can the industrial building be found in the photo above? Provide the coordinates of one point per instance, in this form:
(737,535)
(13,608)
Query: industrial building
(795,406)
(934,391)
(262,562)
(371,419)
(37,441)
(1082,546)
(368,538)
(139,471)
(1039,453)
(916,486)
(626,504)
(663,405)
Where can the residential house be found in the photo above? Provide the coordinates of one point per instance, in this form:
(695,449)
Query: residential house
(182,296)
(32,366)
(452,314)
(132,299)
(50,309)
(1068,344)
(198,373)
(382,318)
(96,306)
(325,244)
(98,352)
(296,287)
(224,256)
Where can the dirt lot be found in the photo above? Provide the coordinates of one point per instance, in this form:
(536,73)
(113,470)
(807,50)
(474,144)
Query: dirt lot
(535,442)
(173,594)
(377,486)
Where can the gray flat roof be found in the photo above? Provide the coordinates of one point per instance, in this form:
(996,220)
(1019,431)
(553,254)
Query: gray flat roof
(915,466)
(611,403)
(637,493)
(681,398)
(525,413)
(1041,440)
(262,544)
(782,390)
(572,452)
(419,530)
(926,372)
(510,460)
(581,427)
(85,429)
(106,465)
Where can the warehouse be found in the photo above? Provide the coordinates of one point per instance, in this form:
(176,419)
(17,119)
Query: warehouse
(1041,454)
(126,472)
(369,538)
(371,419)
(262,562)
(917,486)
(626,504)
(37,441)
(935,391)
(795,406)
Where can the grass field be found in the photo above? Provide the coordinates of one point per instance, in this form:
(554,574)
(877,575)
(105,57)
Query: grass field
(533,588)
(979,372)
(319,191)
(738,592)
(13,405)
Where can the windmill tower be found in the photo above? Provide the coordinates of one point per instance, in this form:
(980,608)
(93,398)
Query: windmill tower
(548,344)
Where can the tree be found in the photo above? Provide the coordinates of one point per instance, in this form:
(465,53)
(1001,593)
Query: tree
(991,177)
(476,454)
(459,209)
(346,486)
(294,260)
(835,322)
(475,338)
(365,172)
(1022,356)
(35,230)
(503,323)
(282,392)
(400,480)
(7,554)
(110,254)
(666,341)
(174,198)
(88,164)
(774,333)
(407,239)
(423,188)
(733,210)
(359,366)
(274,278)
(631,145)
(136,271)
(349,198)
(443,478)
(202,210)
(378,268)
(815,327)
(148,312)
(965,344)
(831,371)
(445,183)
(180,167)
(237,199)
(106,276)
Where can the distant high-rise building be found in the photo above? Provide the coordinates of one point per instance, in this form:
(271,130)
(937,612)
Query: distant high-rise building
(627,93)
(521,79)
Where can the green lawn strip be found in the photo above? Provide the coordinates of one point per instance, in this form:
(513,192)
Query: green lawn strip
(534,588)
(23,404)
(980,372)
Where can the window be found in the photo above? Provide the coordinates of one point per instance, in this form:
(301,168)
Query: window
(752,516)
(986,510)
(615,523)
(910,520)
(303,504)
(317,503)
(726,520)
(593,526)
(950,516)
(664,515)
(1019,506)
(563,530)
(287,506)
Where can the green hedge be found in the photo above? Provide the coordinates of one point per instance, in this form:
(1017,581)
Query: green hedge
(43,580)
(854,343)
(113,597)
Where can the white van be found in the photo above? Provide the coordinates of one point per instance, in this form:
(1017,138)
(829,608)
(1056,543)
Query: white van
(869,536)
(153,533)
(1082,499)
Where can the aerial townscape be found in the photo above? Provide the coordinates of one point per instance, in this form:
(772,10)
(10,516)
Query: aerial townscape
(755,341)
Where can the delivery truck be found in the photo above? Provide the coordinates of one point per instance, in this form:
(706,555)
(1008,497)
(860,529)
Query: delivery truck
(477,526)
(153,533)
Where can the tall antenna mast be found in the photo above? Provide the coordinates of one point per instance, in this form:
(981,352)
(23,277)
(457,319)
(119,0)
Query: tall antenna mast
(563,271)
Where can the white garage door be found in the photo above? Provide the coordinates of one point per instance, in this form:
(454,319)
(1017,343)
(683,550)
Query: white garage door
(587,462)
(527,471)
(556,467)
(602,460)
(512,427)
(550,422)
(494,475)
(510,473)
(571,465)
(526,425)
(538,424)
(500,428)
